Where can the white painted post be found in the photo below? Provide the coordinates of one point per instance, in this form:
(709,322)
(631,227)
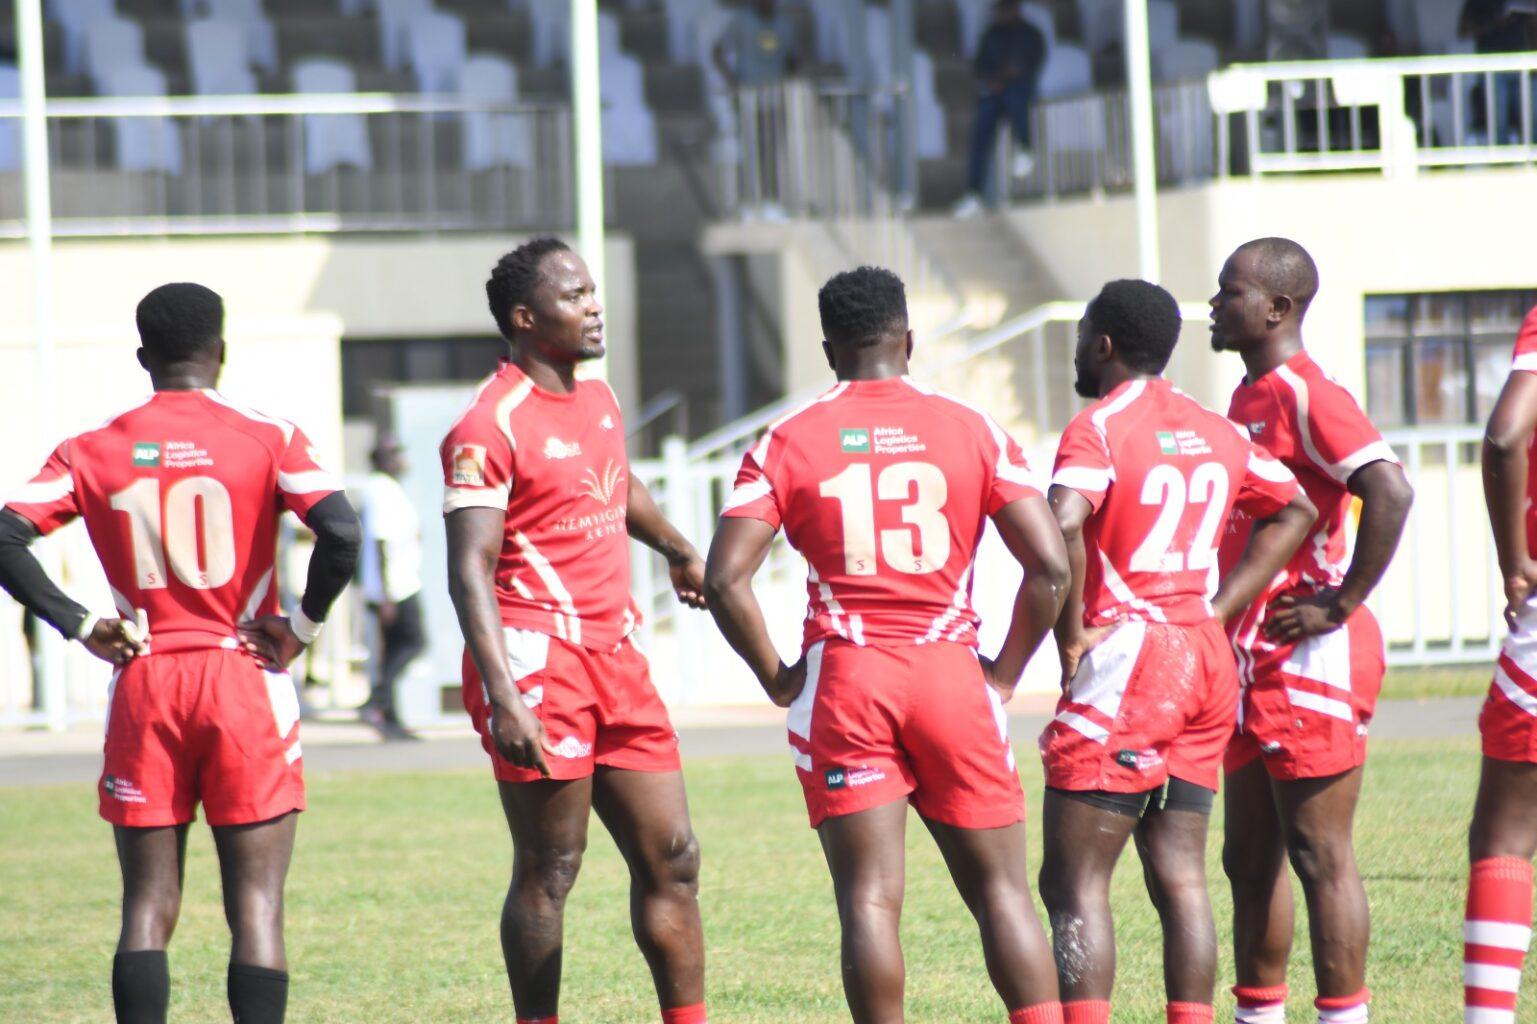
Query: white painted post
(678,505)
(587,131)
(1139,78)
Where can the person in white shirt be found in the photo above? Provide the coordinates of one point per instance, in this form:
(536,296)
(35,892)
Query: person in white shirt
(392,582)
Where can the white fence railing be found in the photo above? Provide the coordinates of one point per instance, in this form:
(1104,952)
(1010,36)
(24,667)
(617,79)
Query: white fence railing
(239,164)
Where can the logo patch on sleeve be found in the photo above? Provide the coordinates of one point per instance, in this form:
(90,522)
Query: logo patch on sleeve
(146,453)
(469,465)
(854,440)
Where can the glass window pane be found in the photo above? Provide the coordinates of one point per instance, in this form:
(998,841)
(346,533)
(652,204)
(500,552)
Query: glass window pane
(366,365)
(1439,314)
(1440,381)
(1385,385)
(1387,316)
(1495,312)
(428,361)
(1491,365)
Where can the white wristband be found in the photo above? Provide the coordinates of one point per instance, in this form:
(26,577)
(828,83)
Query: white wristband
(87,625)
(304,627)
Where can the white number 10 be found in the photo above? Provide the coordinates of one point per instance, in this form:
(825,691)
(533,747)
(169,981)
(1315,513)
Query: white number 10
(922,486)
(195,505)
(1164,486)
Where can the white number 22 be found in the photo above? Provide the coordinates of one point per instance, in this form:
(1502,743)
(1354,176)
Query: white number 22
(194,505)
(1164,486)
(921,485)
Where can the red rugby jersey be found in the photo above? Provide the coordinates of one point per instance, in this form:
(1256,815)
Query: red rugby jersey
(884,486)
(181,497)
(557,466)
(1163,475)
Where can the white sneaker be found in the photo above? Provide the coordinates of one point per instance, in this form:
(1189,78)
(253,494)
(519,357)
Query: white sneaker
(1024,163)
(969,207)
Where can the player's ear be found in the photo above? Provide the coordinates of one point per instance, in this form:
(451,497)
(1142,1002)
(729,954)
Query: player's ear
(142,357)
(909,343)
(521,318)
(827,350)
(1104,348)
(1280,307)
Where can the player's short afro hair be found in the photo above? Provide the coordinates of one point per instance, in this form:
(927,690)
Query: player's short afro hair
(1285,268)
(515,277)
(178,321)
(1142,320)
(859,306)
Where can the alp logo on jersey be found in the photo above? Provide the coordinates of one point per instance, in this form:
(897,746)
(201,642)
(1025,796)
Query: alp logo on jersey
(854,440)
(1166,442)
(146,454)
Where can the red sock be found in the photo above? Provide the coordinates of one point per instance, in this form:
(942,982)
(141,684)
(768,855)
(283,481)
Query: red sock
(1086,1011)
(1189,1013)
(552,1019)
(1344,1009)
(1496,933)
(1040,1013)
(685,1015)
(1260,1005)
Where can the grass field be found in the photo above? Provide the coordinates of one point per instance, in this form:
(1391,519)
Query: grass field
(396,887)
(1437,681)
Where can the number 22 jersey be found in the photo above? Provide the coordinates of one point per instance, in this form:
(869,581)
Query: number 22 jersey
(885,487)
(181,496)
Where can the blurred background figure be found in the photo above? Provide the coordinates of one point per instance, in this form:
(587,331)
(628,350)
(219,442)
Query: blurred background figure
(1008,69)
(1499,26)
(392,582)
(755,52)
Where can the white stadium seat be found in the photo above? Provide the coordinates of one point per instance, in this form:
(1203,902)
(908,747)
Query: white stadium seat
(1344,46)
(551,30)
(394,16)
(1184,58)
(493,140)
(74,17)
(1162,23)
(1068,70)
(112,42)
(332,140)
(629,127)
(219,58)
(437,49)
(259,28)
(929,140)
(684,42)
(143,143)
(10,128)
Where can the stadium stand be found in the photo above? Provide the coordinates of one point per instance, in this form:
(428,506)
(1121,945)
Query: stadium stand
(332,141)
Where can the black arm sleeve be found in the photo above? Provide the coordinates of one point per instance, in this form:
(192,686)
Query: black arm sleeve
(338,539)
(23,578)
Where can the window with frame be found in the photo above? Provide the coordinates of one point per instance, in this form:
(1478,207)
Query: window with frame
(1440,357)
(369,364)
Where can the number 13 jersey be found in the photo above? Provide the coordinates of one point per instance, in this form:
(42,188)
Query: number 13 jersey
(1163,475)
(884,486)
(181,497)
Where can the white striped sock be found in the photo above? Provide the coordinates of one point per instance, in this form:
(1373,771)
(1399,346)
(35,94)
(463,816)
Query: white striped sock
(1274,1013)
(1344,1015)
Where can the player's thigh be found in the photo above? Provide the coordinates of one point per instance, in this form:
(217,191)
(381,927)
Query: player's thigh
(647,814)
(983,860)
(1082,837)
(152,860)
(866,855)
(1318,816)
(1505,813)
(1171,839)
(955,735)
(843,729)
(1254,840)
(247,725)
(254,858)
(547,820)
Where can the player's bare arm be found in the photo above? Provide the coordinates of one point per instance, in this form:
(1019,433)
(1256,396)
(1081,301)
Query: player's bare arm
(1506,441)
(1032,536)
(647,525)
(1385,496)
(1272,542)
(1074,640)
(279,639)
(113,640)
(736,552)
(474,545)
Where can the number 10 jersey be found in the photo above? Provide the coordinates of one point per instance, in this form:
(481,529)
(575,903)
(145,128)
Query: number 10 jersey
(181,496)
(885,487)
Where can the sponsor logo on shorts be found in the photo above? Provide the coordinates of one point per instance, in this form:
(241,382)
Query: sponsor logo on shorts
(842,778)
(1256,428)
(146,453)
(122,789)
(469,465)
(1140,760)
(572,748)
(837,778)
(1271,747)
(854,440)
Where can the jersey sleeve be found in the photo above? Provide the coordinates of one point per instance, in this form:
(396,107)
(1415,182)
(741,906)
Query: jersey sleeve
(47,501)
(1267,485)
(754,495)
(302,482)
(1335,434)
(1013,478)
(477,463)
(1526,344)
(1083,462)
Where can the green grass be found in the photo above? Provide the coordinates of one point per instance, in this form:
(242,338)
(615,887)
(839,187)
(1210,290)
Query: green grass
(1438,681)
(397,883)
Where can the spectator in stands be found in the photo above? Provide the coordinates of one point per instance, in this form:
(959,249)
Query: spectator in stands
(1008,69)
(757,50)
(392,582)
(1296,29)
(1500,26)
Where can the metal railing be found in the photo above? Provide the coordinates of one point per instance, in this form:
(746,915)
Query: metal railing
(238,164)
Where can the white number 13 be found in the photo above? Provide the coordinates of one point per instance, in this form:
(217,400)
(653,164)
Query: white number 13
(922,486)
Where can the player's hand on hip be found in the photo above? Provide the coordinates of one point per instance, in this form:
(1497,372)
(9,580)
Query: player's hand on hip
(1074,650)
(1519,585)
(1003,687)
(115,641)
(271,640)
(1294,618)
(688,579)
(519,737)
(787,684)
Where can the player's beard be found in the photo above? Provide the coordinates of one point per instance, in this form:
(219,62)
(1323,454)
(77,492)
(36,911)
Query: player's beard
(1086,386)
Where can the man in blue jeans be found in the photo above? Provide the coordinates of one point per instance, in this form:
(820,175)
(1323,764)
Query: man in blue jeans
(1008,67)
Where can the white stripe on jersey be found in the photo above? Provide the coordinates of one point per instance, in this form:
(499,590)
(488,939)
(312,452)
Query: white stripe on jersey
(1269,469)
(1082,478)
(257,596)
(509,402)
(251,414)
(950,614)
(43,492)
(571,630)
(1013,472)
(1101,416)
(760,450)
(1525,361)
(1123,593)
(748,493)
(309,481)
(834,609)
(1339,471)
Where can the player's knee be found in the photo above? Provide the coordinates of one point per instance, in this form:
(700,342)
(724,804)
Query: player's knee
(148,922)
(680,862)
(1320,858)
(1247,867)
(551,872)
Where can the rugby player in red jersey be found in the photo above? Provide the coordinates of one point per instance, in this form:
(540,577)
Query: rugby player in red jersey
(1144,484)
(1497,928)
(885,487)
(540,506)
(181,496)
(1310,654)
